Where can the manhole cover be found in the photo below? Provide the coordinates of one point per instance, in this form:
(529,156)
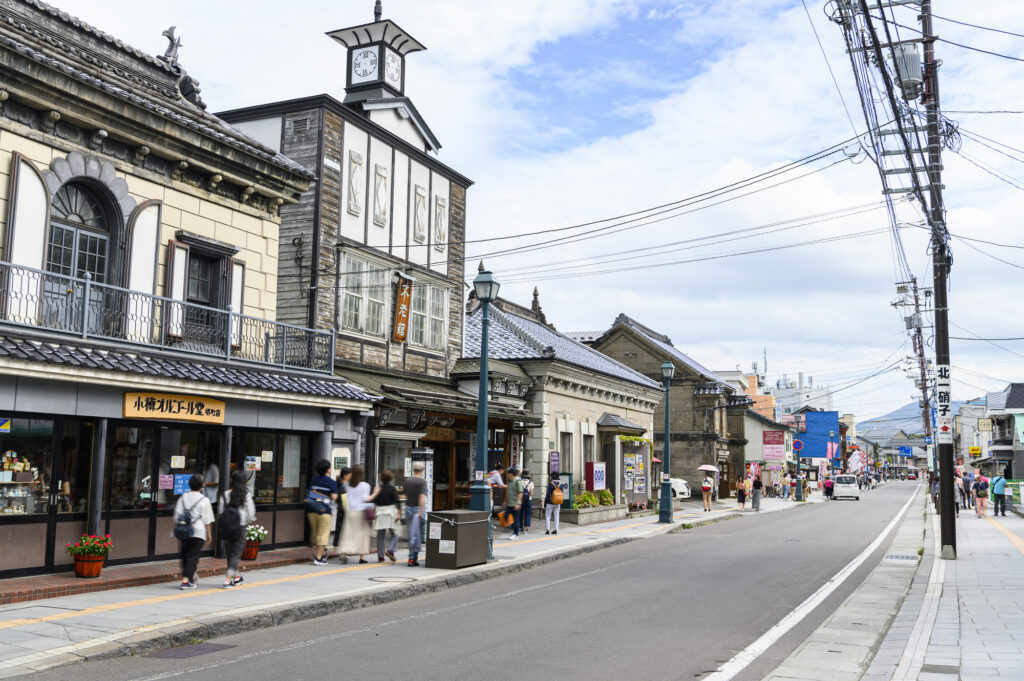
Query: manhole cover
(392,579)
(193,650)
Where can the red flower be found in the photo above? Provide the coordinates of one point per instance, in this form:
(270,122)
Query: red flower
(108,536)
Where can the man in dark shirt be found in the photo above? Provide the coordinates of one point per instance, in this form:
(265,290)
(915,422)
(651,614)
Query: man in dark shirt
(415,489)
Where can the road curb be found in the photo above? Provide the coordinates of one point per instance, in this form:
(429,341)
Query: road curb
(701,523)
(217,625)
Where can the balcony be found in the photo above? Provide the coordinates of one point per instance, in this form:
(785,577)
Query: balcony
(83,308)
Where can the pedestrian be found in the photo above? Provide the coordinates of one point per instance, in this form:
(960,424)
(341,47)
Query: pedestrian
(527,510)
(496,480)
(827,485)
(236,510)
(323,492)
(860,482)
(706,486)
(193,514)
(386,513)
(355,533)
(741,493)
(415,490)
(981,488)
(961,493)
(552,504)
(934,488)
(807,487)
(755,498)
(341,508)
(785,486)
(999,492)
(514,500)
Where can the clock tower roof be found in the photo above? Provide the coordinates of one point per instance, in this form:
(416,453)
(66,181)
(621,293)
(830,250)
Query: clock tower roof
(384,31)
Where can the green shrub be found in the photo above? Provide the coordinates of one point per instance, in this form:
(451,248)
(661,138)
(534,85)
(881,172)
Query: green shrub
(606,498)
(584,500)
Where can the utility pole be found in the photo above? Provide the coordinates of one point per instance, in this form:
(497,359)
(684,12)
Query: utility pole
(940,273)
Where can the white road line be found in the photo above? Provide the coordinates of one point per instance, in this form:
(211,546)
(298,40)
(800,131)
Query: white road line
(742,659)
(913,655)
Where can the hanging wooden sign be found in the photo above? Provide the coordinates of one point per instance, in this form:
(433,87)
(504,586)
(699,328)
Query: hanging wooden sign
(402,303)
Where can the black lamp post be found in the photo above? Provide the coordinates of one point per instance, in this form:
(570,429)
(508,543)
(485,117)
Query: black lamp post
(486,288)
(799,492)
(668,370)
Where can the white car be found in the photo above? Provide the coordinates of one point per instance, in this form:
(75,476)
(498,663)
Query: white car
(680,488)
(846,486)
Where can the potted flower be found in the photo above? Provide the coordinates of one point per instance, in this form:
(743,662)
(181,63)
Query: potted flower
(254,535)
(89,553)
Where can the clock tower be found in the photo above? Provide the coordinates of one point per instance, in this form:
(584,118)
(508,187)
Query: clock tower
(376,58)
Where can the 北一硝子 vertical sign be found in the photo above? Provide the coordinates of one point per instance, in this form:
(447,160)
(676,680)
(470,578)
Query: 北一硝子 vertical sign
(943,406)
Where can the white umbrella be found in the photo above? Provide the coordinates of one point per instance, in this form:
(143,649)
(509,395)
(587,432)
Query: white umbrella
(707,467)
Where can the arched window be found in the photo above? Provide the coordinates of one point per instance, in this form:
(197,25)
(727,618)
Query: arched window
(79,241)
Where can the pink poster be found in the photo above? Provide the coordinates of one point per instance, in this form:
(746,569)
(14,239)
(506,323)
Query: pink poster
(166,482)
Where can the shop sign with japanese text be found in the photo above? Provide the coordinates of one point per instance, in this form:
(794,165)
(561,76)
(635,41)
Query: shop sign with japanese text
(402,303)
(173,407)
(773,445)
(943,406)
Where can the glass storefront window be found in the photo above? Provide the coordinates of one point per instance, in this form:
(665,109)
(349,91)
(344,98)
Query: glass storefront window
(129,484)
(25,467)
(181,457)
(259,474)
(291,472)
(396,456)
(76,464)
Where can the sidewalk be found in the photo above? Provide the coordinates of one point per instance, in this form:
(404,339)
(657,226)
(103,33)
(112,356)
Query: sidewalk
(56,631)
(967,617)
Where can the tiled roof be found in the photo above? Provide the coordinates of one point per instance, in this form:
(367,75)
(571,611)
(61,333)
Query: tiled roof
(129,362)
(609,420)
(514,337)
(584,336)
(156,100)
(710,388)
(1010,397)
(665,343)
(494,366)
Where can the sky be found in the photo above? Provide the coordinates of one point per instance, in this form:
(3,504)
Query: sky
(574,111)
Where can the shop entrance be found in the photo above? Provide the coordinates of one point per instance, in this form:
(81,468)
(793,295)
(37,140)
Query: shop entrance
(44,491)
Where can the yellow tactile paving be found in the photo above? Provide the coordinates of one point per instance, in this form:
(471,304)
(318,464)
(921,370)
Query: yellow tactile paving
(1017,542)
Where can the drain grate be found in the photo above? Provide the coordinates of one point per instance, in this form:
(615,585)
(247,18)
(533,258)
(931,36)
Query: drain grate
(940,669)
(393,579)
(194,650)
(896,556)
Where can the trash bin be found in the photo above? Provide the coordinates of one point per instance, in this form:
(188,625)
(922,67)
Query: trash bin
(456,539)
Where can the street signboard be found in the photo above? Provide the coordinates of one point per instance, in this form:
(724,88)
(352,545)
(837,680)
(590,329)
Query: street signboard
(927,440)
(975,451)
(798,445)
(773,445)
(985,425)
(943,406)
(906,451)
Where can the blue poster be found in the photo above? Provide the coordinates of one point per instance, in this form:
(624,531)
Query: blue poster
(181,483)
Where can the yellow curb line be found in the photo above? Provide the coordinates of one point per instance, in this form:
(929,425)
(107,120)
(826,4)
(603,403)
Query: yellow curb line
(178,596)
(1017,542)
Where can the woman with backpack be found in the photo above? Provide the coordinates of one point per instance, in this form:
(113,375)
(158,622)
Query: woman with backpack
(193,514)
(526,510)
(706,485)
(235,512)
(553,499)
(980,488)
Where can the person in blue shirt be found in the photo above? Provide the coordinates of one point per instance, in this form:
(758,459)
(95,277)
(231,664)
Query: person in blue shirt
(999,490)
(325,490)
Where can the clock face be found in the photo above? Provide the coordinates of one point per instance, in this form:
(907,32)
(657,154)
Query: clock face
(393,68)
(364,63)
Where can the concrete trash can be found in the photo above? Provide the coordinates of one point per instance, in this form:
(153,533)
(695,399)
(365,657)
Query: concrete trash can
(456,539)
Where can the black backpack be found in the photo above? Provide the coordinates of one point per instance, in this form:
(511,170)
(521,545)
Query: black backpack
(183,522)
(230,525)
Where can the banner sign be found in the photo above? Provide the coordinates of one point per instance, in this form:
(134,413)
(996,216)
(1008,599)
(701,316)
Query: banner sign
(773,445)
(975,451)
(402,303)
(943,406)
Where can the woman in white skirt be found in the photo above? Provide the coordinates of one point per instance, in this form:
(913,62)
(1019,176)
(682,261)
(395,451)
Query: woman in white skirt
(355,532)
(385,498)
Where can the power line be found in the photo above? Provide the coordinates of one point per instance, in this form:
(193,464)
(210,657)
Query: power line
(994,257)
(992,343)
(984,28)
(961,45)
(977,111)
(829,65)
(987,339)
(983,241)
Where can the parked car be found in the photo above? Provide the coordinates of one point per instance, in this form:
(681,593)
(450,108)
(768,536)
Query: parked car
(912,476)
(680,488)
(846,486)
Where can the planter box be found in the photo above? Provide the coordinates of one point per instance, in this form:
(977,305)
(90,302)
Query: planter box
(587,516)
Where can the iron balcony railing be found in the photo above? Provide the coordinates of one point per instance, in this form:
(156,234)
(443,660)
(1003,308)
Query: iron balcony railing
(87,309)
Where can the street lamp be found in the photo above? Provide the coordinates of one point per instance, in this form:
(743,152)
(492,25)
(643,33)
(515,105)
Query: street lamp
(668,370)
(486,288)
(830,459)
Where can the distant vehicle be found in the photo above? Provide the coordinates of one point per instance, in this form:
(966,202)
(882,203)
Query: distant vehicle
(912,476)
(680,488)
(846,486)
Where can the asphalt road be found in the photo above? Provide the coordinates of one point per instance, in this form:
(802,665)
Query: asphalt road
(672,607)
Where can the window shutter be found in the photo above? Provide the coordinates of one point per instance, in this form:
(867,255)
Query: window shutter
(236,298)
(176,286)
(142,265)
(26,239)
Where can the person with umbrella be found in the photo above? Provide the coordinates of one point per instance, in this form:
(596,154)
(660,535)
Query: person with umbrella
(707,485)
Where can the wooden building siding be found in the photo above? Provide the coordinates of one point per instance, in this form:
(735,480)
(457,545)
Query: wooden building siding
(330,214)
(296,237)
(456,270)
